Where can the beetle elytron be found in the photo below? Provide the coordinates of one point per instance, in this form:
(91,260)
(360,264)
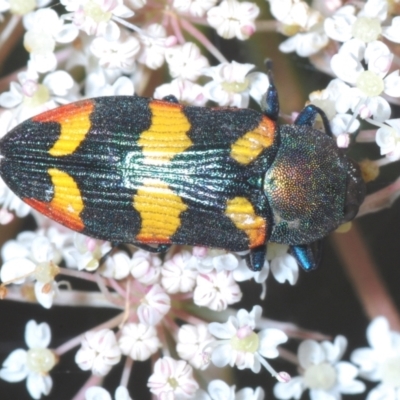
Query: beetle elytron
(134,170)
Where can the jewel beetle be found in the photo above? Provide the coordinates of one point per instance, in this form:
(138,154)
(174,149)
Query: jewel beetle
(153,173)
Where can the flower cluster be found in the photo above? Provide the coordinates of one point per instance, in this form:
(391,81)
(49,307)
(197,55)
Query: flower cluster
(175,309)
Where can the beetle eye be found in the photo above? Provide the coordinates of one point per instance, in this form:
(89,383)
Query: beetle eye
(355,191)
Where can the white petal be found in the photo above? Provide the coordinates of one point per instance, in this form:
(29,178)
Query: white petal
(310,353)
(269,339)
(44,294)
(37,335)
(221,355)
(38,384)
(292,389)
(97,393)
(392,84)
(14,366)
(16,268)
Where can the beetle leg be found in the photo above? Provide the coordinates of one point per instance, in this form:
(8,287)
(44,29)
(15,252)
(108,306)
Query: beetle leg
(270,101)
(256,257)
(171,99)
(161,248)
(308,115)
(307,255)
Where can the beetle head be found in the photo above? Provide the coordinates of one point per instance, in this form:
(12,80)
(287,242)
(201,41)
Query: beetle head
(312,186)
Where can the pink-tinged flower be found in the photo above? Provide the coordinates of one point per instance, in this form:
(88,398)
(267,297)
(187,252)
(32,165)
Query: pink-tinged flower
(388,138)
(185,91)
(192,345)
(138,341)
(88,252)
(232,85)
(95,16)
(99,393)
(322,373)
(186,61)
(238,344)
(177,275)
(219,390)
(116,54)
(172,379)
(154,305)
(146,267)
(216,290)
(99,352)
(154,42)
(195,8)
(33,365)
(380,362)
(234,19)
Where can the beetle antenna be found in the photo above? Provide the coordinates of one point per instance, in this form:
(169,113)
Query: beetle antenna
(270,101)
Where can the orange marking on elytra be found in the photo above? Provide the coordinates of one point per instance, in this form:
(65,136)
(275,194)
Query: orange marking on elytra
(67,203)
(74,120)
(248,147)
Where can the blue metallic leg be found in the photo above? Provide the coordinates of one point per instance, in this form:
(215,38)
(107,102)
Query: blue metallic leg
(256,258)
(171,99)
(161,248)
(307,255)
(308,115)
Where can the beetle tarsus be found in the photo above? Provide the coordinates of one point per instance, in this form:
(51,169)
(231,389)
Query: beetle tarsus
(256,258)
(308,115)
(161,248)
(307,255)
(171,99)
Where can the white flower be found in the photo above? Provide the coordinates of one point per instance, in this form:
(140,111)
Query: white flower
(95,16)
(88,252)
(186,61)
(283,265)
(172,379)
(192,345)
(216,290)
(44,28)
(233,86)
(177,275)
(21,7)
(366,26)
(380,362)
(28,97)
(117,54)
(232,18)
(138,341)
(370,84)
(97,83)
(32,257)
(33,365)
(195,8)
(206,260)
(239,345)
(99,352)
(323,374)
(219,390)
(185,91)
(99,393)
(153,306)
(154,43)
(388,138)
(303,24)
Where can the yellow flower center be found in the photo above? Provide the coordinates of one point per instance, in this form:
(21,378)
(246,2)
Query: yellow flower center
(22,7)
(366,29)
(94,11)
(46,271)
(370,83)
(248,344)
(321,376)
(391,372)
(235,87)
(41,96)
(41,360)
